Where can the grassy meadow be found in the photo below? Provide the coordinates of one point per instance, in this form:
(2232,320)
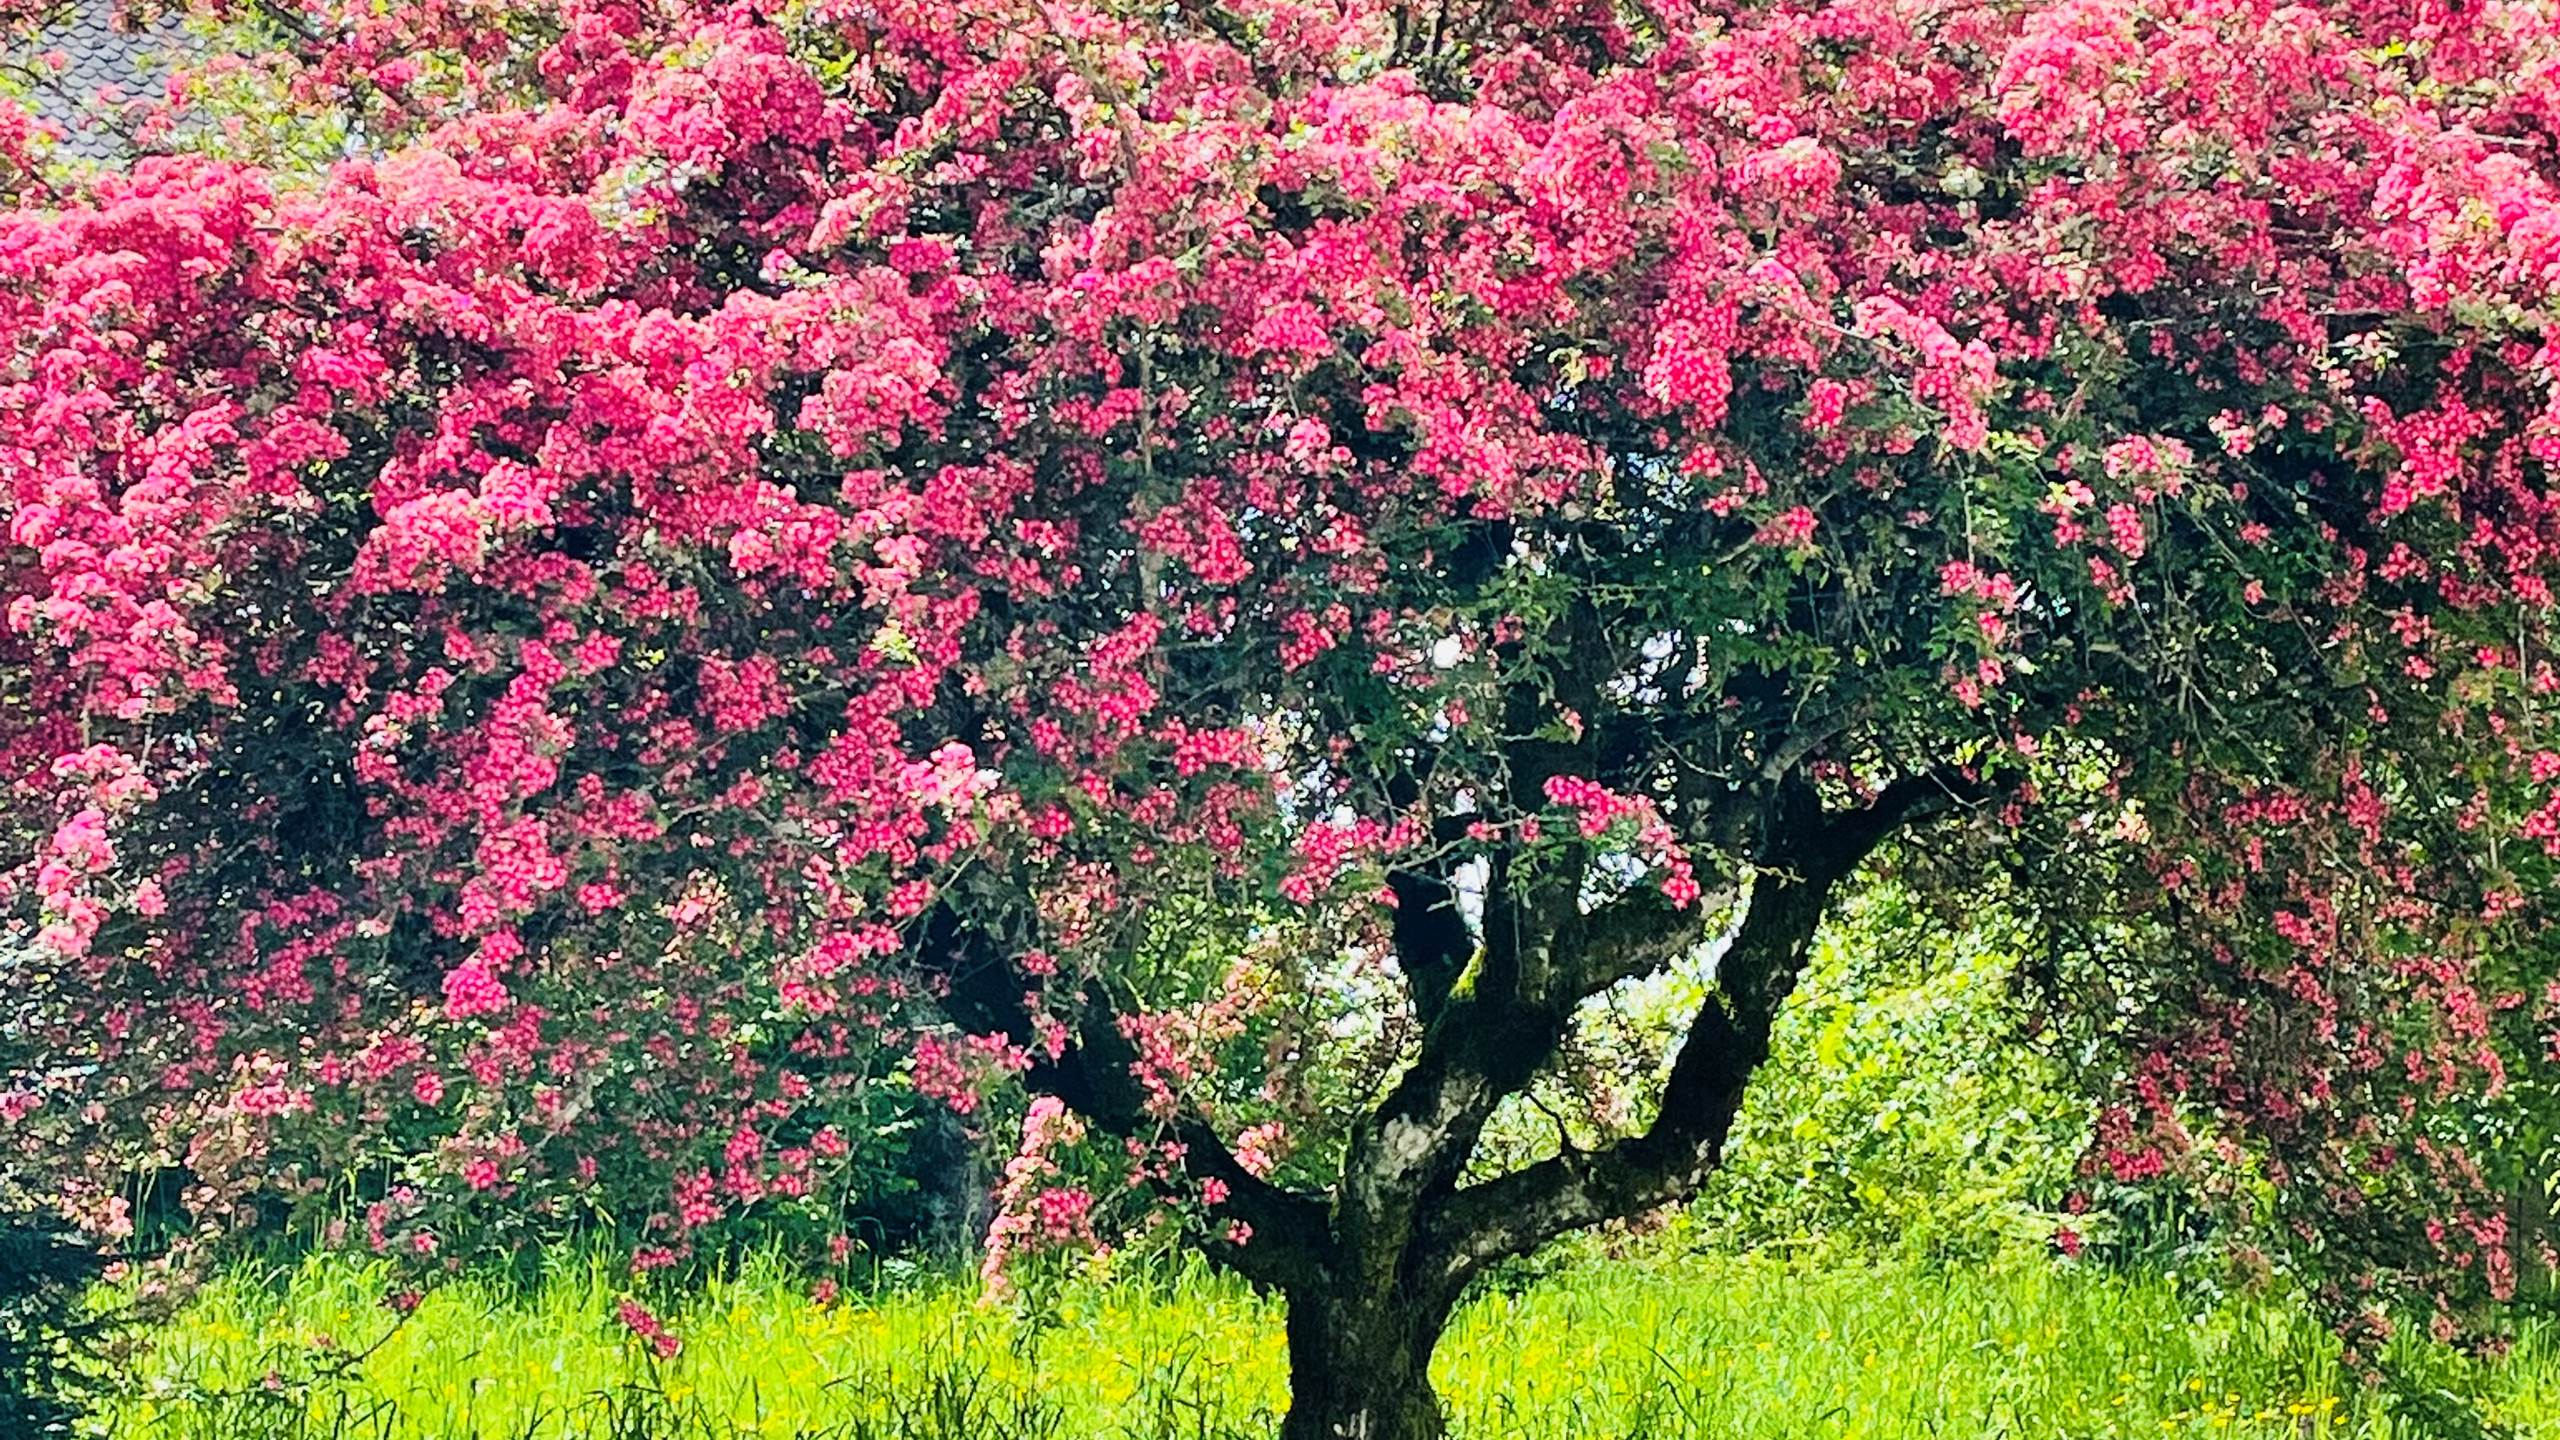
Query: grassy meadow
(1752,1347)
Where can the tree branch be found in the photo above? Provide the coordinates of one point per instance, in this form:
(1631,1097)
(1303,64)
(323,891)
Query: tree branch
(1095,1076)
(1636,935)
(1727,1041)
(1433,944)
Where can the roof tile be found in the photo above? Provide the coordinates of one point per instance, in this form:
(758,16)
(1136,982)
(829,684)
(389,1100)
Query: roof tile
(98,56)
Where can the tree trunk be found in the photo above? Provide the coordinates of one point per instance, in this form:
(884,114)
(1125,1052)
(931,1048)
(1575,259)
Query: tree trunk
(2529,1230)
(1360,1368)
(957,1193)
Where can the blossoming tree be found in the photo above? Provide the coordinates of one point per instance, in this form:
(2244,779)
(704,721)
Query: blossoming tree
(732,541)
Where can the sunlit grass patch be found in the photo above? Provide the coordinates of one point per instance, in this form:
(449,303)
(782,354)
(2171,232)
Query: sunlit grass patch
(1748,1348)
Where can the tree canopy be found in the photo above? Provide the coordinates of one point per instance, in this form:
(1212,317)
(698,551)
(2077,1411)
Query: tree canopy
(715,548)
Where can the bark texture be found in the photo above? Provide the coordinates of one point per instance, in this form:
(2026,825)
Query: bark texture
(1360,1369)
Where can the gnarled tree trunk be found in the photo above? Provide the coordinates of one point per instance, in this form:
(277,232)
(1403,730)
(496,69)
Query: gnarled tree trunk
(1360,1367)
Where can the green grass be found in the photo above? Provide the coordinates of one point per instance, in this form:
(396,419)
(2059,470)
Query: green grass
(1749,1348)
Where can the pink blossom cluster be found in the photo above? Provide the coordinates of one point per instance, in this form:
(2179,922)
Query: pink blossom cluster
(1031,1208)
(1599,811)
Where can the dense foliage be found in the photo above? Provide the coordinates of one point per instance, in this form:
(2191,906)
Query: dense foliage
(731,549)
(1908,1103)
(51,1332)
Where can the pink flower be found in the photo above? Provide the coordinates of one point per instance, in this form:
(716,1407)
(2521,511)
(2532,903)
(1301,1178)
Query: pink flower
(470,990)
(2125,530)
(1790,530)
(649,1329)
(1259,1148)
(1825,402)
